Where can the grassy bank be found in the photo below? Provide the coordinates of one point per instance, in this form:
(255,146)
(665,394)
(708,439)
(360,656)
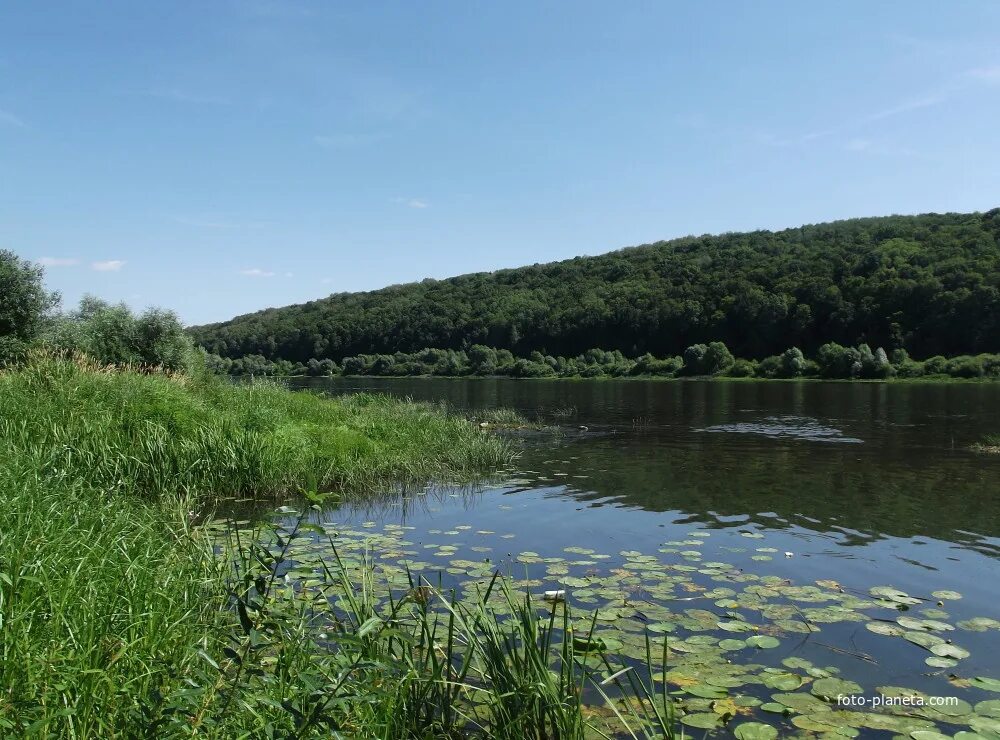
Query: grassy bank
(155,435)
(990,445)
(116,618)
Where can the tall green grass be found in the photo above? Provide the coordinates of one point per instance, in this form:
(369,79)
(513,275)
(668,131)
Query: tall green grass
(155,435)
(121,617)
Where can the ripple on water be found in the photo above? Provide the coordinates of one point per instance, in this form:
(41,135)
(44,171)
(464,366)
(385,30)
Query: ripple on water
(786,427)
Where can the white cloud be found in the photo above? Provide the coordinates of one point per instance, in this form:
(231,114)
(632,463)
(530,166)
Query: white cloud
(256,272)
(910,105)
(986,74)
(184,96)
(289,274)
(412,202)
(219,223)
(346,141)
(11,120)
(108,265)
(58,261)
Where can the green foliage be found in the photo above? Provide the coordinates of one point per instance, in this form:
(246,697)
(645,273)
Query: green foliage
(124,614)
(832,361)
(113,335)
(928,283)
(24,305)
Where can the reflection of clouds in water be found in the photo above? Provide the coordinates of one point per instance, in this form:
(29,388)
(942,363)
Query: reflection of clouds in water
(788,427)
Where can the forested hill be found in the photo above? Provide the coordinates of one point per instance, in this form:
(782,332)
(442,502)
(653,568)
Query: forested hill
(929,284)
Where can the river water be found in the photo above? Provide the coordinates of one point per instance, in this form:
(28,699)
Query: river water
(862,484)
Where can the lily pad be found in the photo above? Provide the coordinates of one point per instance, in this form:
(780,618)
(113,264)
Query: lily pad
(701,720)
(948,650)
(884,628)
(952,595)
(982,682)
(706,691)
(755,731)
(936,661)
(763,641)
(831,688)
(989,708)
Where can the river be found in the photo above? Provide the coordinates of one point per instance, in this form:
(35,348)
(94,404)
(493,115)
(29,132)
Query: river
(852,485)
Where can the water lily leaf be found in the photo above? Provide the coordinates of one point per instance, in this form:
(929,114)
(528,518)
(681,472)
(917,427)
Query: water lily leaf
(979,624)
(706,691)
(893,595)
(989,708)
(982,682)
(947,650)
(755,731)
(986,725)
(763,641)
(923,639)
(885,628)
(946,595)
(725,708)
(783,681)
(661,627)
(939,662)
(928,735)
(813,723)
(701,720)
(732,644)
(735,625)
(775,707)
(831,688)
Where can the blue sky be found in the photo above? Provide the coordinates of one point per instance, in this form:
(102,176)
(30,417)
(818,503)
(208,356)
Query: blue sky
(217,158)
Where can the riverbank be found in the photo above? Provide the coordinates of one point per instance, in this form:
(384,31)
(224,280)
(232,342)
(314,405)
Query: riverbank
(117,617)
(831,362)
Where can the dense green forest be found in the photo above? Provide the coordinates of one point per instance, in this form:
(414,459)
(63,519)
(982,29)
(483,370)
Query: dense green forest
(929,284)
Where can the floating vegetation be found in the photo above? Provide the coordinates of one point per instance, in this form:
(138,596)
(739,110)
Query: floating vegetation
(786,427)
(739,651)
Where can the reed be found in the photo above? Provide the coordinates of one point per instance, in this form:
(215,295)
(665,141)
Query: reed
(122,616)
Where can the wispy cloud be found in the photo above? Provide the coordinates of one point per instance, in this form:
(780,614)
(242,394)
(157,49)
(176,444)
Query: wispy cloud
(220,223)
(989,75)
(10,119)
(256,272)
(58,261)
(179,95)
(925,101)
(857,145)
(347,141)
(108,265)
(412,202)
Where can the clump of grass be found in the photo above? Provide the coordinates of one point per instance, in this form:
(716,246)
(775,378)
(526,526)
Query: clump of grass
(990,445)
(120,618)
(154,435)
(104,600)
(422,664)
(500,417)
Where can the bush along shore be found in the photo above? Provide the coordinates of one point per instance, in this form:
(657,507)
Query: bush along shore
(127,611)
(832,361)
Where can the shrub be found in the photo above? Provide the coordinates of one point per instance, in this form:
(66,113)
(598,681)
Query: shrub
(793,363)
(936,365)
(711,359)
(742,369)
(965,366)
(113,335)
(24,304)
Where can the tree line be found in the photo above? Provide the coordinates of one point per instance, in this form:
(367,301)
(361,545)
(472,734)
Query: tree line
(928,284)
(112,334)
(832,360)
